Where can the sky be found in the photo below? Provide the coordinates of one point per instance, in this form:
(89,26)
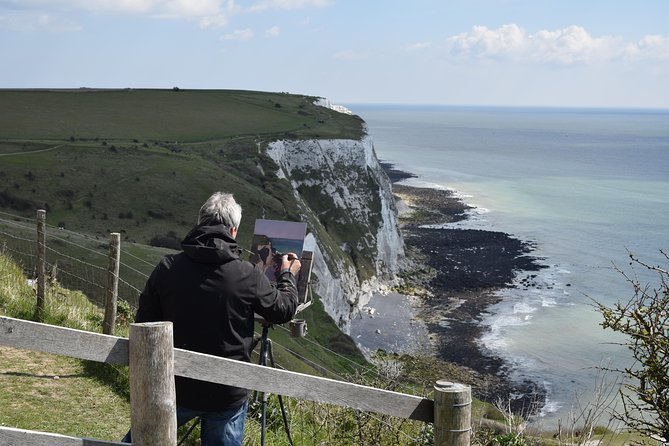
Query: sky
(582,53)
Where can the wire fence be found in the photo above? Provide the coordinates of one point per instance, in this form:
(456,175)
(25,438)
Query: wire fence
(75,260)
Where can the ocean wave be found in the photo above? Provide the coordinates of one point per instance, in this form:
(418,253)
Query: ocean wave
(523,308)
(416,182)
(549,302)
(496,339)
(475,219)
(533,293)
(550,407)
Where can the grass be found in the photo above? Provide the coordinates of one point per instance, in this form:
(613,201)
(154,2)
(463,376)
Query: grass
(52,393)
(166,115)
(344,357)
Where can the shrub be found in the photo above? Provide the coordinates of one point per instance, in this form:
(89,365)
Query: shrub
(168,240)
(644,320)
(159,214)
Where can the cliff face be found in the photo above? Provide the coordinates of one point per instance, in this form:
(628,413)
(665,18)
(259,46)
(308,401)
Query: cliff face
(347,201)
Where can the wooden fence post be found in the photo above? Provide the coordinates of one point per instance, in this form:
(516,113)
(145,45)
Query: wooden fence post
(153,415)
(41,263)
(112,283)
(452,414)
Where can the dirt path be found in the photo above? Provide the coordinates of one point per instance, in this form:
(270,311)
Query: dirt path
(48,149)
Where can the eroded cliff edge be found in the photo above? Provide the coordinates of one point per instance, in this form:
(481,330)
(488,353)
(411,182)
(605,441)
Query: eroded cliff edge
(347,200)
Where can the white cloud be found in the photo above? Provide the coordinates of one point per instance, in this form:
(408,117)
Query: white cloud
(210,13)
(180,8)
(570,45)
(263,5)
(193,8)
(484,42)
(563,46)
(214,21)
(239,34)
(416,46)
(651,47)
(21,14)
(273,31)
(105,6)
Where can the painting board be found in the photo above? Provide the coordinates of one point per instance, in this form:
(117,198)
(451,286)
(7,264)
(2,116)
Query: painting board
(272,239)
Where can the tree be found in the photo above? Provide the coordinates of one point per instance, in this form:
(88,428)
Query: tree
(644,320)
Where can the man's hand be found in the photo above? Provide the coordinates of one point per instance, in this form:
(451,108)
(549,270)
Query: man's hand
(291,262)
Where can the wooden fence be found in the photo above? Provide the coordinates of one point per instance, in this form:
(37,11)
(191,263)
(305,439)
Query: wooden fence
(154,362)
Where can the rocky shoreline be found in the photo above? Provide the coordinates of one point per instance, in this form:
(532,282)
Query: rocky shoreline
(460,270)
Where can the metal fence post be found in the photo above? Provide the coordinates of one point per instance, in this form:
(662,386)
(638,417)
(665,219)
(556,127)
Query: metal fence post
(111,294)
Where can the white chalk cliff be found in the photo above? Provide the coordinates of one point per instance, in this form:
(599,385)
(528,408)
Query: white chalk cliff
(347,200)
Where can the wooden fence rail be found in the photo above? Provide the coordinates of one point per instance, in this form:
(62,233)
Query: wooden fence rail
(15,437)
(452,413)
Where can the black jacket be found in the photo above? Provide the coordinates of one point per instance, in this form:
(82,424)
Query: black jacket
(210,296)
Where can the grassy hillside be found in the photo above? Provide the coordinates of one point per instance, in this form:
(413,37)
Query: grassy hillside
(166,115)
(142,161)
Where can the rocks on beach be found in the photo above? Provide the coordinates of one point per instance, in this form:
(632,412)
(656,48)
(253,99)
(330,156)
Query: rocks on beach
(466,267)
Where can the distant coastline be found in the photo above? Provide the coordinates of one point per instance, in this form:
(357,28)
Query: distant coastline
(467,266)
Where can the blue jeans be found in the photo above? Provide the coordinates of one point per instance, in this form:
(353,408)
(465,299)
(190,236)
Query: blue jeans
(224,428)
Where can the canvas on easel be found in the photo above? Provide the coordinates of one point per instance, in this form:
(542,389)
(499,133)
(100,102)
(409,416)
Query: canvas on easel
(272,239)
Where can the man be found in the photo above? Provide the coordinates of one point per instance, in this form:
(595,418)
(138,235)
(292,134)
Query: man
(211,295)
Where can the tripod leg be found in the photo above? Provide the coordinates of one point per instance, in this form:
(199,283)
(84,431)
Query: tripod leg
(190,429)
(283,409)
(262,354)
(265,347)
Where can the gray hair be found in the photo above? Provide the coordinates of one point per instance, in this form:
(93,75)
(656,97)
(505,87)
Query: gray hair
(220,208)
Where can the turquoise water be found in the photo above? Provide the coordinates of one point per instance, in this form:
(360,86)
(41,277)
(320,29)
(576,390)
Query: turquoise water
(585,185)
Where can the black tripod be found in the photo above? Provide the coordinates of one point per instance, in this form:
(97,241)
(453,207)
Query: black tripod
(264,355)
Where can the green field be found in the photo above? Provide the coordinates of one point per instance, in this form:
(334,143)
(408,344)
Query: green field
(141,162)
(166,115)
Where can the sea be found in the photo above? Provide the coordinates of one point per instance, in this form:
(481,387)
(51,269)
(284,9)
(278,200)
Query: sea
(586,186)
